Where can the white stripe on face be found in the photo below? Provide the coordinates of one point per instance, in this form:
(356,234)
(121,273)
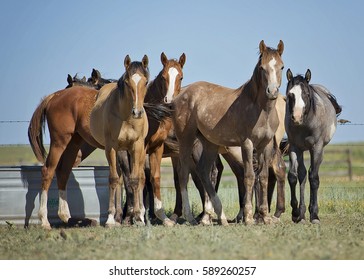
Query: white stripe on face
(299,103)
(136,78)
(273,76)
(172,72)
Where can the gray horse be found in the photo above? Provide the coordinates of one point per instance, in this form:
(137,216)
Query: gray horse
(310,121)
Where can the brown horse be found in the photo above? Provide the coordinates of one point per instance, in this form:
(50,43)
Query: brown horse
(67,114)
(118,122)
(210,111)
(162,89)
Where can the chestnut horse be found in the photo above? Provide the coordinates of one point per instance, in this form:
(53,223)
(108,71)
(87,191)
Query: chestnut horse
(118,122)
(162,89)
(210,111)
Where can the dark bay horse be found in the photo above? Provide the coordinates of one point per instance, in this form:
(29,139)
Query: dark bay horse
(118,121)
(220,116)
(310,124)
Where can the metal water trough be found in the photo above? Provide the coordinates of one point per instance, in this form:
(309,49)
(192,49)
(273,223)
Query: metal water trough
(20,187)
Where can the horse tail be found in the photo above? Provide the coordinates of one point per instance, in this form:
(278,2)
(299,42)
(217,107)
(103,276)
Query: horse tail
(334,103)
(284,146)
(36,128)
(159,112)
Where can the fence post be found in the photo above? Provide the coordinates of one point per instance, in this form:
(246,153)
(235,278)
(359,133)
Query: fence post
(350,170)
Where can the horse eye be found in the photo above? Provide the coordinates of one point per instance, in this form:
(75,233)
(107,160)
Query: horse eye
(282,67)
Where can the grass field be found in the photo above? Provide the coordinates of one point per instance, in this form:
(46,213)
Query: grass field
(340,236)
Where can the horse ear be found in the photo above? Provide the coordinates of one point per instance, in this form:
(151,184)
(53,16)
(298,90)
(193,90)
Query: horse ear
(308,75)
(127,61)
(182,60)
(164,59)
(145,61)
(289,75)
(280,47)
(262,47)
(83,79)
(69,79)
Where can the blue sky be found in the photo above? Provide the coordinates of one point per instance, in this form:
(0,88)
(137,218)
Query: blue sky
(44,41)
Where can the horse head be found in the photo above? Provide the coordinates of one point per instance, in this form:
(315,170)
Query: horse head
(298,96)
(75,81)
(271,65)
(172,75)
(136,78)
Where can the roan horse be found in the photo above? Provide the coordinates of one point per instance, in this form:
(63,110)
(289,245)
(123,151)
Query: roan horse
(220,116)
(310,125)
(118,122)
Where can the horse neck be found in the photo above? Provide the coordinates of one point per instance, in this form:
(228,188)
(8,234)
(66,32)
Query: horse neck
(257,94)
(124,98)
(156,91)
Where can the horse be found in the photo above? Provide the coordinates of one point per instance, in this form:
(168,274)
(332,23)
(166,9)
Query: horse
(70,140)
(118,121)
(310,122)
(97,81)
(220,116)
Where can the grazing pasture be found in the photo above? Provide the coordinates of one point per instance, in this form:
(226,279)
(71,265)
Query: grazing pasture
(339,236)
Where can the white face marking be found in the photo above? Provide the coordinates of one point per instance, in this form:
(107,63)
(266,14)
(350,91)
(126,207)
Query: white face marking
(299,103)
(172,72)
(273,76)
(136,78)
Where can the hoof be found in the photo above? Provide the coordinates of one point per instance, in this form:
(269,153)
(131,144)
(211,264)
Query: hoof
(112,225)
(206,220)
(138,223)
(276,220)
(174,218)
(302,221)
(193,222)
(249,222)
(47,227)
(224,222)
(315,221)
(169,223)
(267,220)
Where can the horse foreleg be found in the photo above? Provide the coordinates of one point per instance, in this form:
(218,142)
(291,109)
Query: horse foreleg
(263,185)
(177,212)
(249,179)
(316,160)
(279,170)
(113,184)
(295,159)
(137,180)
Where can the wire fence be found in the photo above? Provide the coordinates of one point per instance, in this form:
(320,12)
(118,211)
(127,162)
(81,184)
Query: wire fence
(341,159)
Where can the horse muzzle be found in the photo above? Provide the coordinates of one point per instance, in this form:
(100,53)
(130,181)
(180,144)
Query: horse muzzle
(137,113)
(272,92)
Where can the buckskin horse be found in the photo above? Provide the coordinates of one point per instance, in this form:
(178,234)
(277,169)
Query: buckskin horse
(220,116)
(311,113)
(118,122)
(67,114)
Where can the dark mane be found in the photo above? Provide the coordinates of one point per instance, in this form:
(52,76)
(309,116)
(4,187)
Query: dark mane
(133,68)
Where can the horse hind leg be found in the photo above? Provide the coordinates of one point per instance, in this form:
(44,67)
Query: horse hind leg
(277,174)
(209,154)
(48,171)
(155,167)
